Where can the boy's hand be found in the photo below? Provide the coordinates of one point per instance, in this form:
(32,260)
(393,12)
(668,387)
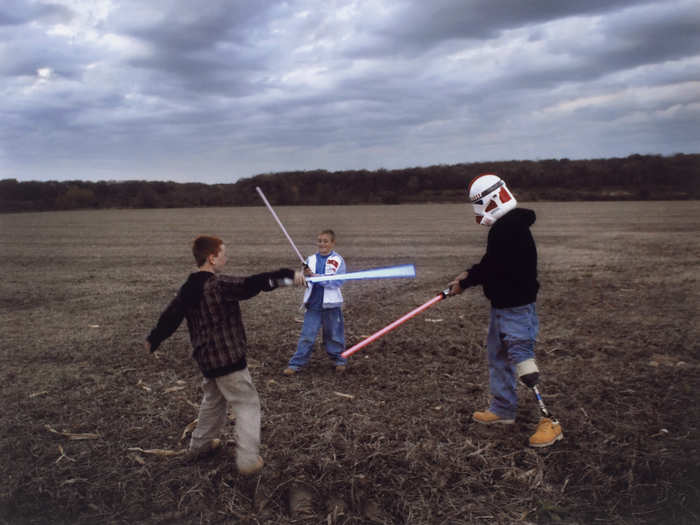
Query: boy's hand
(299,278)
(147,346)
(455,288)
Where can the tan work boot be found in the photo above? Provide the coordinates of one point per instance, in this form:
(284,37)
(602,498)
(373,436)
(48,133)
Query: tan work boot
(248,470)
(289,371)
(548,432)
(489,418)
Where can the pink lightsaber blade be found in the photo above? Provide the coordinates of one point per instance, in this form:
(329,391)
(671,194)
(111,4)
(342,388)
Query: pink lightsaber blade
(279,222)
(398,322)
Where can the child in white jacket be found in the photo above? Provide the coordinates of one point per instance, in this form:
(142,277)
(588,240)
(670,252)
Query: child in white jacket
(323,303)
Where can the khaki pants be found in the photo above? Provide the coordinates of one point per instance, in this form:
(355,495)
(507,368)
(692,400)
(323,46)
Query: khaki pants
(237,389)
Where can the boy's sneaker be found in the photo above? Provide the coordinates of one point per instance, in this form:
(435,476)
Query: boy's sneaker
(548,432)
(195,454)
(489,418)
(289,371)
(248,470)
(339,369)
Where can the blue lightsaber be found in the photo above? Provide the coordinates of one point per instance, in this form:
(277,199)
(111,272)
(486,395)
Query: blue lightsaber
(390,272)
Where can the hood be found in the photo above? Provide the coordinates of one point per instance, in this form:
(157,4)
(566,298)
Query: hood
(519,216)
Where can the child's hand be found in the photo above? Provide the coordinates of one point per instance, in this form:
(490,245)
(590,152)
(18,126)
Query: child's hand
(299,278)
(455,288)
(147,346)
(308,272)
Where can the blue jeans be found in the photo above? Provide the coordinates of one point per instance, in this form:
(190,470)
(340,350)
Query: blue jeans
(511,339)
(333,336)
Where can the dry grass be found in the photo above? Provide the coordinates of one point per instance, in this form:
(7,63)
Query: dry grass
(391,441)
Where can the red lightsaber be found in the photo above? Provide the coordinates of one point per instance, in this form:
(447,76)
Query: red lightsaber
(398,322)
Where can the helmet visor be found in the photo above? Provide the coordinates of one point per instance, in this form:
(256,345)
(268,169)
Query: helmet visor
(477,198)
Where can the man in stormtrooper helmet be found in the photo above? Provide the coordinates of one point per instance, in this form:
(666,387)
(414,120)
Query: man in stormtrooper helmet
(508,275)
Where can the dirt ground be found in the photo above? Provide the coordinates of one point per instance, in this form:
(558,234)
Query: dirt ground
(392,440)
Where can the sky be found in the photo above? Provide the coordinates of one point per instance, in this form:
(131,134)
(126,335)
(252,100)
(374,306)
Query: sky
(216,90)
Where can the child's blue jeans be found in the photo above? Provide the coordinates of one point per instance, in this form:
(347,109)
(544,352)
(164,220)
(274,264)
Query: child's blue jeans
(331,319)
(511,339)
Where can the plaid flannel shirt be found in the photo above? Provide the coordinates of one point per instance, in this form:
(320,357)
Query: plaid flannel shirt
(210,302)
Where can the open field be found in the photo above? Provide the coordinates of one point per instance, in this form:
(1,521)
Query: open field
(392,440)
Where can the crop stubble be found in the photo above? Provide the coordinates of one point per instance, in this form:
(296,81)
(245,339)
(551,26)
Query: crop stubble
(389,442)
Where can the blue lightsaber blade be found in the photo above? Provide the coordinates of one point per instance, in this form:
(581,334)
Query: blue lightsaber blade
(390,272)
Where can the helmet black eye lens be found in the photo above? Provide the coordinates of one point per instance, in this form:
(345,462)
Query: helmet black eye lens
(479,202)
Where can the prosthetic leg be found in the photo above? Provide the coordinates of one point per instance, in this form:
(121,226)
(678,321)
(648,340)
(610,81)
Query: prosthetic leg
(548,430)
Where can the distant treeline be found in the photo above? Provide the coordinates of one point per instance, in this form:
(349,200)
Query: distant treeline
(637,177)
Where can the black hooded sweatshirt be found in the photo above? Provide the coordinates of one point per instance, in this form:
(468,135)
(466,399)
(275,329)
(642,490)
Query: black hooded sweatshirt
(508,270)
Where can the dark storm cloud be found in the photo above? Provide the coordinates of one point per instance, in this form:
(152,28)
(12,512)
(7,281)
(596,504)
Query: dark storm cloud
(208,49)
(180,28)
(18,12)
(416,25)
(627,44)
(619,41)
(656,37)
(24,46)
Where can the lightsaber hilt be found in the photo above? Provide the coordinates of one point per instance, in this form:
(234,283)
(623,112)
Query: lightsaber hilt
(279,222)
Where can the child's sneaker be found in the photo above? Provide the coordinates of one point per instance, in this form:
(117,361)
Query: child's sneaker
(548,432)
(489,418)
(209,449)
(289,371)
(247,470)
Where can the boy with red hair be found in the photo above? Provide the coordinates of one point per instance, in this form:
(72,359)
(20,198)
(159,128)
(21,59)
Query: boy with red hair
(209,302)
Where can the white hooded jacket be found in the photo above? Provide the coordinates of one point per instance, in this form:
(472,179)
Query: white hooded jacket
(332,298)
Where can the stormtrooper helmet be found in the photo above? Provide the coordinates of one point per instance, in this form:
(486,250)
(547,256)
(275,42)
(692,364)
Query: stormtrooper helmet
(490,198)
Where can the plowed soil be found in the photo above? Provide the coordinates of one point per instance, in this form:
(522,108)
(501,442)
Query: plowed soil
(89,417)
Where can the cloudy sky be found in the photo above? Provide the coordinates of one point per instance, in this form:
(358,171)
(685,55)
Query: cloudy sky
(217,90)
